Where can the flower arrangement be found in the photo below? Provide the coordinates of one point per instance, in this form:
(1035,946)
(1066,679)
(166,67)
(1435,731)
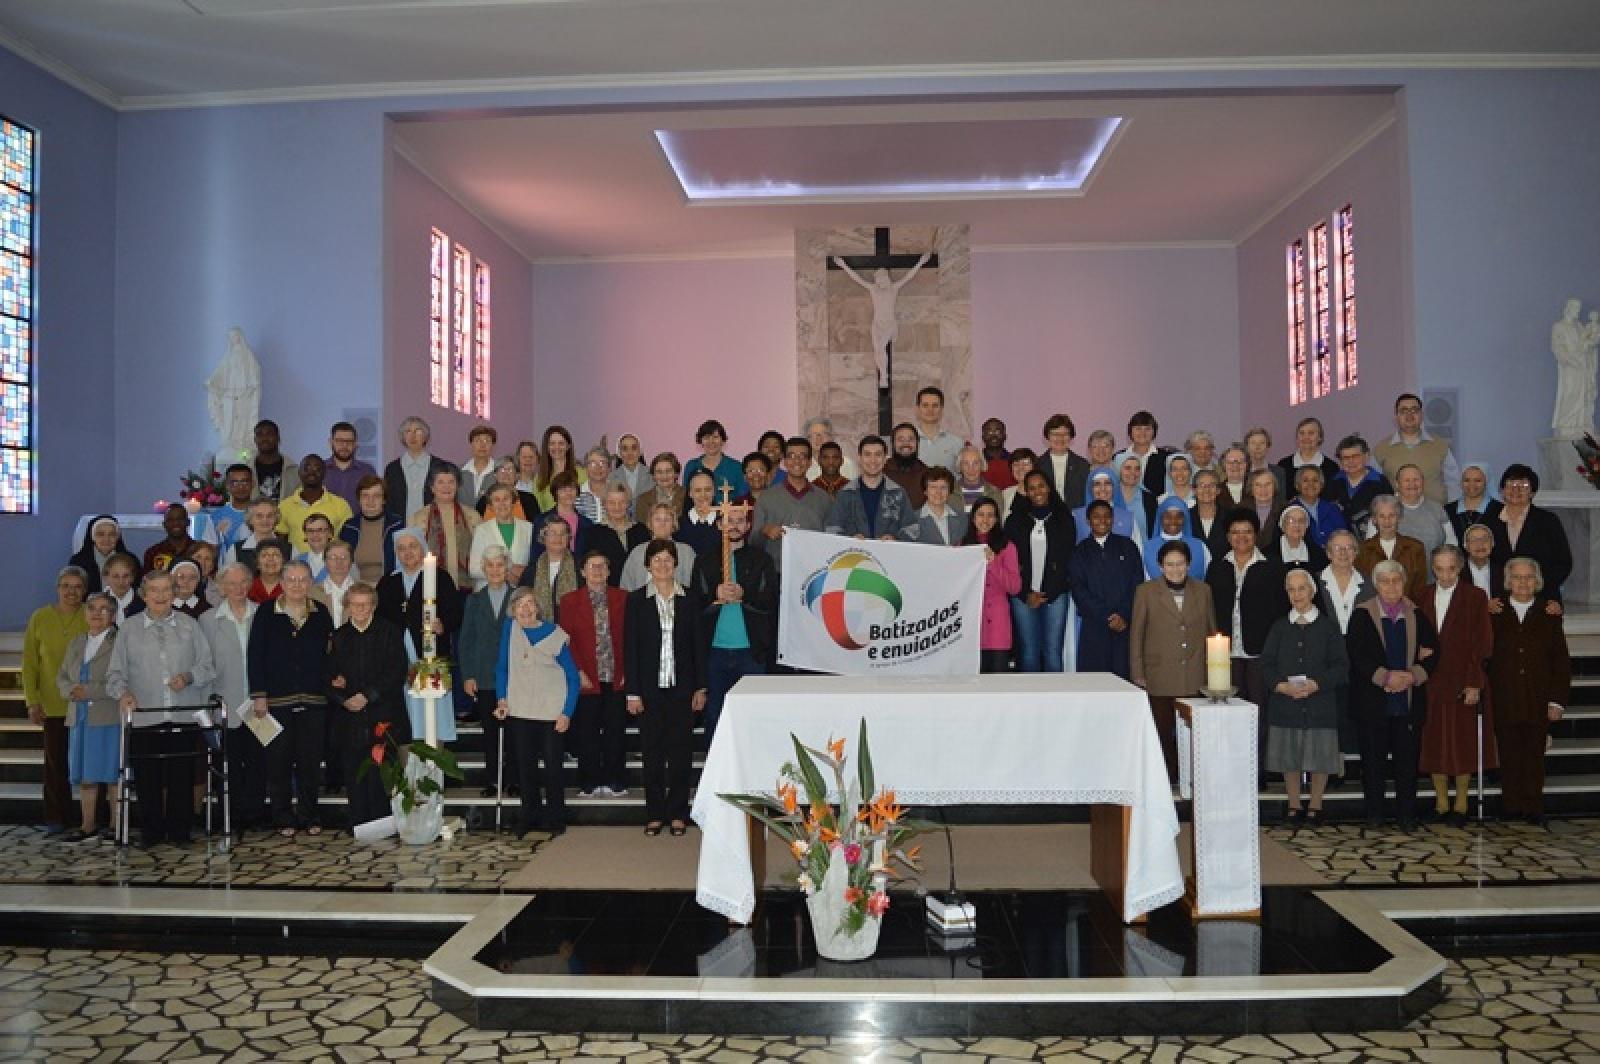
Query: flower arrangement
(389,763)
(863,840)
(1589,451)
(429,674)
(204,486)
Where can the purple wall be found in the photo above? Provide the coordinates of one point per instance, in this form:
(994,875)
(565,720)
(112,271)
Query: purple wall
(1505,226)
(268,218)
(655,347)
(1099,334)
(76,388)
(1372,181)
(414,205)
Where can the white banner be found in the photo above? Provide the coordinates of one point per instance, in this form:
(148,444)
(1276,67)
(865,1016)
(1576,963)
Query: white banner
(860,607)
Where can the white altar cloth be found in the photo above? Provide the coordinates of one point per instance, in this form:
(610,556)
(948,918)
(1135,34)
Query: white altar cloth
(1057,738)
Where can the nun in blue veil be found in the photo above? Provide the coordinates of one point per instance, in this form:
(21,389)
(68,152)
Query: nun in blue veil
(1172,523)
(1102,484)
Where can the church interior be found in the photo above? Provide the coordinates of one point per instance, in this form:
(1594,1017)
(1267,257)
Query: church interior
(1095,208)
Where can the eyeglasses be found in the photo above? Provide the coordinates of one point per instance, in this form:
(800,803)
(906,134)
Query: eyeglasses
(1520,485)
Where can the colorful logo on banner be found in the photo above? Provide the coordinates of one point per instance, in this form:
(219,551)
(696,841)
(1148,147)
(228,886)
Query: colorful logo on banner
(852,596)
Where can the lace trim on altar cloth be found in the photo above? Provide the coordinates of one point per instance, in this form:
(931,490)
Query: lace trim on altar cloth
(733,910)
(1149,903)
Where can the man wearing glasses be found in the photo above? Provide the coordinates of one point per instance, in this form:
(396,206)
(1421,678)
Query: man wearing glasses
(345,470)
(1411,445)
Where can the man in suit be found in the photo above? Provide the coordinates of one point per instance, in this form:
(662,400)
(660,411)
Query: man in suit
(408,479)
(1064,469)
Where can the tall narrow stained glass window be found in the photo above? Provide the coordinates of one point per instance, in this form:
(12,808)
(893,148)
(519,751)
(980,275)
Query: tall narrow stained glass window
(1295,290)
(438,330)
(1321,315)
(461,329)
(1345,248)
(481,353)
(18,481)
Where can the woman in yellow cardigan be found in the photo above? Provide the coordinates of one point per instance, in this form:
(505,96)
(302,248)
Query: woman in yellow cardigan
(50,631)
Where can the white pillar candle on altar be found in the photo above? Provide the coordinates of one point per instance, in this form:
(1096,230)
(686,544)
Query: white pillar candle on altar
(1219,664)
(430,722)
(430,577)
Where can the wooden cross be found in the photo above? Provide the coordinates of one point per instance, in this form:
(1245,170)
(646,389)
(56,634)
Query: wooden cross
(881,259)
(723,509)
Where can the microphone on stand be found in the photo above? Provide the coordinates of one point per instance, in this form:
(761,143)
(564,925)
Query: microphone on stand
(952,917)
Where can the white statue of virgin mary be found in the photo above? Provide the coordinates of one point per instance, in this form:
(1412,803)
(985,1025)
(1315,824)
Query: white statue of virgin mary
(234,400)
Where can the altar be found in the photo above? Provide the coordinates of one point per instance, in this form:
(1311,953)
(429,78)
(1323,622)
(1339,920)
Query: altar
(1029,739)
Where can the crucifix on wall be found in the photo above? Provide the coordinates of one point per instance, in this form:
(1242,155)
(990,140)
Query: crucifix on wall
(885,291)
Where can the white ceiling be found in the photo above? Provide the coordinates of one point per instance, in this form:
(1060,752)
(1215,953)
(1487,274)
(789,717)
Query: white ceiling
(1181,170)
(179,52)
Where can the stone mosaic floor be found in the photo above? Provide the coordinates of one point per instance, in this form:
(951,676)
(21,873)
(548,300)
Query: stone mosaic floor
(60,1005)
(333,860)
(1349,854)
(1439,855)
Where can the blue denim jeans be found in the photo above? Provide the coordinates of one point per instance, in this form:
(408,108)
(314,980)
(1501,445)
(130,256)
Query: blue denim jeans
(1039,634)
(723,669)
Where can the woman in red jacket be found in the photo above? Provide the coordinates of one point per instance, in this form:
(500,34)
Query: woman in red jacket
(592,616)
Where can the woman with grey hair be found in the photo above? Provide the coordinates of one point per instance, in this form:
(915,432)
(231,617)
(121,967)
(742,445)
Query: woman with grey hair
(1460,614)
(819,430)
(1385,542)
(94,728)
(1392,648)
(1530,680)
(1420,517)
(478,649)
(537,684)
(50,630)
(1304,663)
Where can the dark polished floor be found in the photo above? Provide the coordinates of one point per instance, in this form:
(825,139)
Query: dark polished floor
(1021,935)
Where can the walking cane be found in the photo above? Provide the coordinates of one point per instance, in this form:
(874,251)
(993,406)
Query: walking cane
(1479,708)
(122,779)
(499,775)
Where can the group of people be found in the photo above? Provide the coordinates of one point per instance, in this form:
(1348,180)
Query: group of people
(1378,600)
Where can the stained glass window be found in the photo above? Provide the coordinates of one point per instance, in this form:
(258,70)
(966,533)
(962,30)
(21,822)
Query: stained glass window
(1295,290)
(461,328)
(438,336)
(1344,244)
(1321,320)
(18,483)
(481,353)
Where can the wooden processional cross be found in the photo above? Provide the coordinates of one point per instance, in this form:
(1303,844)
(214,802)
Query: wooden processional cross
(881,259)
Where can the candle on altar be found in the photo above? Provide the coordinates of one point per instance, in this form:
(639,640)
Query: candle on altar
(1219,664)
(430,577)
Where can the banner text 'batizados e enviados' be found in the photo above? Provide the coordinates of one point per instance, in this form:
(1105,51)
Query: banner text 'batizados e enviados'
(872,607)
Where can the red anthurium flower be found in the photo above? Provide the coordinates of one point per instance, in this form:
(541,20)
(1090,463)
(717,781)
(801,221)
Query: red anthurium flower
(381,729)
(378,750)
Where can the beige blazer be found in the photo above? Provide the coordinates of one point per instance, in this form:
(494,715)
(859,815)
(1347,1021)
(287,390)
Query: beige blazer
(1167,648)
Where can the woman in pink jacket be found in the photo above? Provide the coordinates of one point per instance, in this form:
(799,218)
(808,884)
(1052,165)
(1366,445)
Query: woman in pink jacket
(1001,580)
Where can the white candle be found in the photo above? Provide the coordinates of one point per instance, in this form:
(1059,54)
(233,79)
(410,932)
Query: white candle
(1219,666)
(430,722)
(430,578)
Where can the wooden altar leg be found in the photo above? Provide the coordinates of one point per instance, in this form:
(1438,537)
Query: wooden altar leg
(1109,827)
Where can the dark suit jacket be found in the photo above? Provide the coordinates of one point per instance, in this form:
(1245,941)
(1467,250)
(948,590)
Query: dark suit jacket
(1290,466)
(642,645)
(1217,541)
(1368,655)
(1262,600)
(1543,539)
(372,663)
(1409,553)
(1155,471)
(1530,666)
(394,482)
(1072,491)
(577,620)
(395,606)
(759,579)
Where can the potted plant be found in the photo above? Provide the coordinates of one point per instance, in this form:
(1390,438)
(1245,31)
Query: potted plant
(845,855)
(413,775)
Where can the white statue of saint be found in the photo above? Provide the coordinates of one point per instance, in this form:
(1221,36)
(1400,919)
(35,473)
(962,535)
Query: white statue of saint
(884,292)
(234,399)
